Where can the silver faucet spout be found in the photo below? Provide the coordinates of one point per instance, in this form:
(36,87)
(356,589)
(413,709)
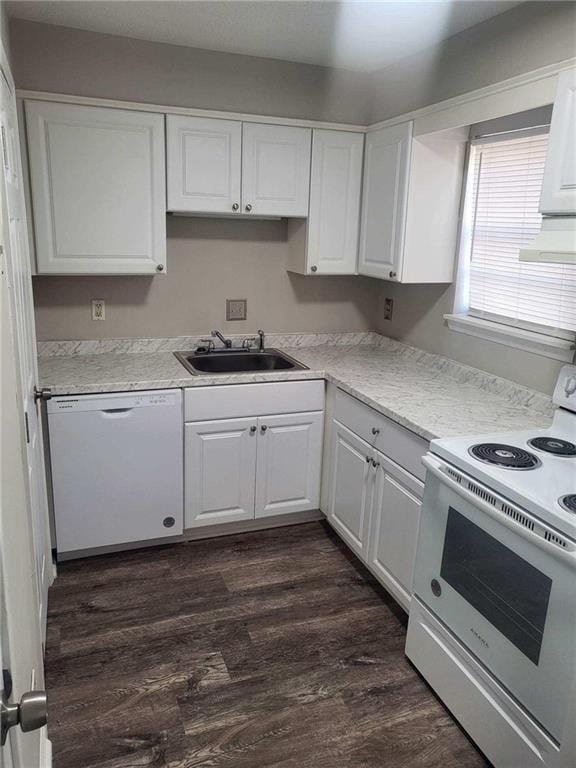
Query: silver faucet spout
(227,342)
(261,341)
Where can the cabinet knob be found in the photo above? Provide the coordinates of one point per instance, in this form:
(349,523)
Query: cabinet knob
(159,267)
(252,430)
(375,463)
(368,459)
(235,206)
(263,428)
(314,268)
(375,431)
(392,274)
(248,207)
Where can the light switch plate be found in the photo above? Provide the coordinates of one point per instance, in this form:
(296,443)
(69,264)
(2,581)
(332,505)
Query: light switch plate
(236,309)
(98,309)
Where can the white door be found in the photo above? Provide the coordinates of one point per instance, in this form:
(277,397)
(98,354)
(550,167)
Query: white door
(352,488)
(20,632)
(289,463)
(395,518)
(22,308)
(559,183)
(335,189)
(219,471)
(204,163)
(98,189)
(385,194)
(275,170)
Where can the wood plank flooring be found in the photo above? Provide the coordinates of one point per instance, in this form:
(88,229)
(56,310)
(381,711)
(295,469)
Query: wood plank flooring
(273,649)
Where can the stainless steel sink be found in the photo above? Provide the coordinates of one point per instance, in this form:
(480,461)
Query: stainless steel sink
(237,361)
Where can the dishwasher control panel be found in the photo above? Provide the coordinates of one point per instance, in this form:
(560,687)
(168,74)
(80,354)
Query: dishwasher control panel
(108,402)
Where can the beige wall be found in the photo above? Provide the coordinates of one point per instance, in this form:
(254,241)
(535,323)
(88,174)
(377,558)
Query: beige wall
(418,319)
(52,58)
(209,260)
(529,36)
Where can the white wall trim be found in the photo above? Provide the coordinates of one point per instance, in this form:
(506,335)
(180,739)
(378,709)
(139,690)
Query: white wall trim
(89,101)
(509,336)
(527,78)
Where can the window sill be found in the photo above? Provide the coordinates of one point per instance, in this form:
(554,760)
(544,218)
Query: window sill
(529,341)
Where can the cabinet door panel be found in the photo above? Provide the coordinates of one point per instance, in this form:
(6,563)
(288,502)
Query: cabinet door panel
(352,487)
(559,185)
(220,466)
(386,171)
(204,164)
(394,529)
(289,460)
(98,181)
(275,170)
(335,189)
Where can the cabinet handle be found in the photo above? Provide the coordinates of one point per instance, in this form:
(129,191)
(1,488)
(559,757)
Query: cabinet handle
(235,206)
(313,268)
(392,274)
(368,459)
(375,431)
(248,207)
(252,430)
(263,428)
(375,463)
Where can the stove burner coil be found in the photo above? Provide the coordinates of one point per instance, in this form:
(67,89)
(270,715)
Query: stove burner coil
(506,456)
(553,445)
(568,502)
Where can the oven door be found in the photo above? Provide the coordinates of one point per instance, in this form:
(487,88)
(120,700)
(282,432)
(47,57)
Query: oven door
(505,584)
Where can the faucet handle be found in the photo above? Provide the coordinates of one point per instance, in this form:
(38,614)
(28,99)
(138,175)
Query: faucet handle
(209,343)
(248,341)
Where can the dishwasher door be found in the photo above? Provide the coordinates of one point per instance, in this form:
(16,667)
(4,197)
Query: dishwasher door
(117,468)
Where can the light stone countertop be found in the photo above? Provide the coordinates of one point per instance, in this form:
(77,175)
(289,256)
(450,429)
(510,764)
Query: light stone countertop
(430,395)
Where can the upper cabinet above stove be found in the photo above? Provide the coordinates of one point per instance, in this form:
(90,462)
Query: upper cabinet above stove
(97,181)
(559,184)
(239,169)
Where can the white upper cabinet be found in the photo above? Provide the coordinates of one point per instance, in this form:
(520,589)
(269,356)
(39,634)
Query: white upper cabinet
(411,201)
(559,184)
(204,163)
(98,180)
(328,242)
(386,170)
(275,170)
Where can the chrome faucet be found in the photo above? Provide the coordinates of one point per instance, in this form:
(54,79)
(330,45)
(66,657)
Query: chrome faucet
(227,342)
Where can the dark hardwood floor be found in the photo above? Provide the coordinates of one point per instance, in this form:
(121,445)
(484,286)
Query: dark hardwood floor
(271,649)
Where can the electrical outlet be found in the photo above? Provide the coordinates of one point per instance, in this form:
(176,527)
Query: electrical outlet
(98,309)
(236,309)
(388,308)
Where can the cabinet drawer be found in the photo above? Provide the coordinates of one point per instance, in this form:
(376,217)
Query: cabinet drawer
(396,442)
(239,400)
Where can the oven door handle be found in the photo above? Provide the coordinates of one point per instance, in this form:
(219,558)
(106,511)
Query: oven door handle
(434,466)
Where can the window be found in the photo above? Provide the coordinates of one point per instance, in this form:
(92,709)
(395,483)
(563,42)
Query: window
(523,299)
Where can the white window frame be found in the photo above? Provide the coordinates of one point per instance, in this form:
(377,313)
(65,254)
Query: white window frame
(558,345)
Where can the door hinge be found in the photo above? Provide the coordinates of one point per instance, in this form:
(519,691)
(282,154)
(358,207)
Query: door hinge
(27,425)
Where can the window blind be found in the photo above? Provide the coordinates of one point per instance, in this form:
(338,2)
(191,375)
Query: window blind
(506,176)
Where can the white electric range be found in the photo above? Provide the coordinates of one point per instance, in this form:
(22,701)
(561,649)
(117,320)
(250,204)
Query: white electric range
(493,622)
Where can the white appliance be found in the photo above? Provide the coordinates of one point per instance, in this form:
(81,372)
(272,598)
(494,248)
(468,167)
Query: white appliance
(117,468)
(493,625)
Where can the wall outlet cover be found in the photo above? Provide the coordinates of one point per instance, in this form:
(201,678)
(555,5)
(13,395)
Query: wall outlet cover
(388,308)
(98,309)
(236,309)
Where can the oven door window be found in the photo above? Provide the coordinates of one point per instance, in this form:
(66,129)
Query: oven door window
(498,583)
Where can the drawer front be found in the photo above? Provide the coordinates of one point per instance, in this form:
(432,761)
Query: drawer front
(399,444)
(235,401)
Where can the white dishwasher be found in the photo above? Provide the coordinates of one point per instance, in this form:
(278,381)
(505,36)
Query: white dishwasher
(117,468)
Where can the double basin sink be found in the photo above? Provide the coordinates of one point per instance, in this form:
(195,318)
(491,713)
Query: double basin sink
(237,361)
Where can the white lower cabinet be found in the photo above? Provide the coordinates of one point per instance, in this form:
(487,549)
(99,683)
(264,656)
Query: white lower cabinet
(395,516)
(288,463)
(220,471)
(352,488)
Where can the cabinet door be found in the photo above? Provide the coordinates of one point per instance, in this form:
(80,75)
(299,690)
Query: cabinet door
(275,170)
(98,189)
(395,518)
(203,164)
(559,184)
(386,171)
(335,189)
(220,467)
(289,462)
(352,488)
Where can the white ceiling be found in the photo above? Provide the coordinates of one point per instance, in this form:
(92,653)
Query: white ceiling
(354,34)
